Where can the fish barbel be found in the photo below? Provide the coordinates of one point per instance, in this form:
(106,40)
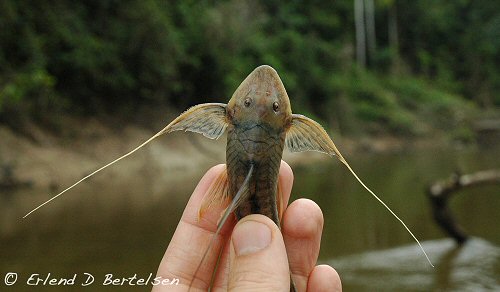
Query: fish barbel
(259,123)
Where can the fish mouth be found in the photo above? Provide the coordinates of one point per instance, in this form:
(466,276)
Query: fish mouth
(257,129)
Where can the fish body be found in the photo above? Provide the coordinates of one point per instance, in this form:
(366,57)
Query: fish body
(243,150)
(258,115)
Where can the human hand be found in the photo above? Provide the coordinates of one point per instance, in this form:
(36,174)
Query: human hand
(254,257)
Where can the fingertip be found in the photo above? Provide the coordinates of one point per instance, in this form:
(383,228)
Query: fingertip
(302,227)
(272,228)
(310,216)
(250,237)
(286,171)
(285,180)
(258,259)
(324,278)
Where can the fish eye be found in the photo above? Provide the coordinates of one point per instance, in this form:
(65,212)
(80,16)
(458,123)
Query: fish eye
(276,107)
(247,102)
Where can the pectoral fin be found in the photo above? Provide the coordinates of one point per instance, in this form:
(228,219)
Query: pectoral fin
(304,134)
(217,194)
(279,201)
(208,119)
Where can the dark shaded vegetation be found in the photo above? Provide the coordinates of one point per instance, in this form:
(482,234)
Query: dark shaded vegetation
(435,62)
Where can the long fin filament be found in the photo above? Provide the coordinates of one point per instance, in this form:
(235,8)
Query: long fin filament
(96,171)
(385,205)
(207,119)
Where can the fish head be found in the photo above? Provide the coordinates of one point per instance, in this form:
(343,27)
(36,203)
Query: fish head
(261,98)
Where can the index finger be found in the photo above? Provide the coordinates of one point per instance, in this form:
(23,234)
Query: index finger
(190,240)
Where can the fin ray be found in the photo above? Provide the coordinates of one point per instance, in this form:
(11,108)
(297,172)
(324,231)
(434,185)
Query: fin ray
(217,194)
(279,200)
(305,134)
(208,119)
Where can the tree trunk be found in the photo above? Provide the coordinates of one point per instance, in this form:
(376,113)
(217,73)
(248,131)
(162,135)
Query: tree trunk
(393,37)
(360,32)
(370,29)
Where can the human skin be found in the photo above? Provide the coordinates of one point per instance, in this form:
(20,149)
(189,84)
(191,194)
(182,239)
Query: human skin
(256,253)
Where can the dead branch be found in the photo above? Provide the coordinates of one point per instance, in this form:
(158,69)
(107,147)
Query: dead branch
(440,192)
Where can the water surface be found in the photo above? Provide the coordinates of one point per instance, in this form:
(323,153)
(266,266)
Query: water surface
(123,226)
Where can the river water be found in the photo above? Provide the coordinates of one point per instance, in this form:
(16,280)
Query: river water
(122,226)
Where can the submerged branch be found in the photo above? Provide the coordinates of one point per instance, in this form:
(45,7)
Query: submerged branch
(440,192)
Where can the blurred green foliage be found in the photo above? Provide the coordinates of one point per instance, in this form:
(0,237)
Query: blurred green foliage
(98,57)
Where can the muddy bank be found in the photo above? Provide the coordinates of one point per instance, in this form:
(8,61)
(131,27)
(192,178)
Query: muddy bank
(49,161)
(53,162)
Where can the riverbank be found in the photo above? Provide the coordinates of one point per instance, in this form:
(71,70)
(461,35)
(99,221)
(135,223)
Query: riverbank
(45,159)
(52,161)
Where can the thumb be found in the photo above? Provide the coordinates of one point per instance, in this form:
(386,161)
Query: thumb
(258,260)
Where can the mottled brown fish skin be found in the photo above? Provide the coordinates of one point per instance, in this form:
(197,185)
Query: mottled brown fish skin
(260,146)
(258,115)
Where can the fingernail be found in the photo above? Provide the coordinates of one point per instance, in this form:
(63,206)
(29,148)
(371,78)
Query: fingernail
(251,237)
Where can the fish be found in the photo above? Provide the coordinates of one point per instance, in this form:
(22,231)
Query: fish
(260,124)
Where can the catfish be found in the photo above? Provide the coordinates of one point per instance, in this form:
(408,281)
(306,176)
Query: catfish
(260,124)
